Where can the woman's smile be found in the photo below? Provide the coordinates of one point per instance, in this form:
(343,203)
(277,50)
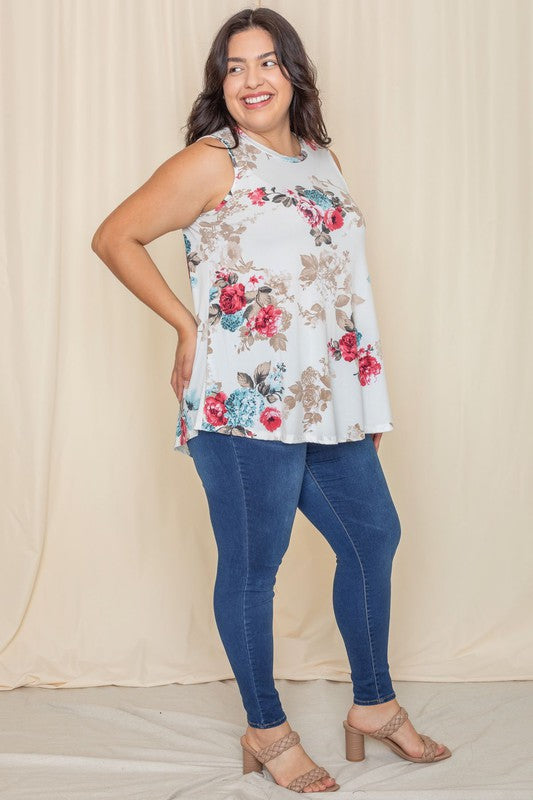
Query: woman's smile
(257,101)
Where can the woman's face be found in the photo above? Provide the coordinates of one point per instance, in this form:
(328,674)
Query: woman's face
(248,75)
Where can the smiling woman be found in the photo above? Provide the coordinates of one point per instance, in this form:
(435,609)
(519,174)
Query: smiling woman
(280,376)
(265,58)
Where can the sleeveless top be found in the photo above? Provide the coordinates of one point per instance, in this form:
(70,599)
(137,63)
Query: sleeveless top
(287,345)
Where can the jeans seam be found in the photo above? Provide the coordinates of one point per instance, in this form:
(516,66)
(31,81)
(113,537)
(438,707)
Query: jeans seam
(390,696)
(270,724)
(246,636)
(362,572)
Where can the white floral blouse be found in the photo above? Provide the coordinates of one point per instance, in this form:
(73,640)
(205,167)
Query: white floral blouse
(288,345)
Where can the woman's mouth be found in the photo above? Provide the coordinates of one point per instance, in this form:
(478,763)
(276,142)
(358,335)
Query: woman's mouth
(257,102)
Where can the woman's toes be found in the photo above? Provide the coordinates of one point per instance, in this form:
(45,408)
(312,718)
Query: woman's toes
(315,787)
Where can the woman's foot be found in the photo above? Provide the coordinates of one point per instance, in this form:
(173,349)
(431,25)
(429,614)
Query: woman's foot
(287,765)
(369,718)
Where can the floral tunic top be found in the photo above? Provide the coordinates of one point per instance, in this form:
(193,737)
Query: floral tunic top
(288,345)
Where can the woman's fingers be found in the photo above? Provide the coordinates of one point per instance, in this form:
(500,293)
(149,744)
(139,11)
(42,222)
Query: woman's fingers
(181,374)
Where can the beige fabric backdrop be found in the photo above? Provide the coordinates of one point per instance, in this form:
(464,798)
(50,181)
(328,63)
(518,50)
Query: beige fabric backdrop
(107,554)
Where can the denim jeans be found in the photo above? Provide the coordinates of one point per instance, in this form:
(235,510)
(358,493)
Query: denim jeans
(253,488)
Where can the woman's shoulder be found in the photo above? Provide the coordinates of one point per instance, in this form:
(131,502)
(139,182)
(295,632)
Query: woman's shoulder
(223,134)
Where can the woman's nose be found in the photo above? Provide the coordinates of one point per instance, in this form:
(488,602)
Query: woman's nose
(253,79)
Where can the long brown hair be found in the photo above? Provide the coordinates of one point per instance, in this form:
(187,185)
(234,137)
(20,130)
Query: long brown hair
(209,112)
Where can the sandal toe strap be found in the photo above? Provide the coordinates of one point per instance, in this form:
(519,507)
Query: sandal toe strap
(430,747)
(277,747)
(299,783)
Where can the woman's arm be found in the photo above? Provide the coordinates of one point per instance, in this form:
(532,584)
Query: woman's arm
(173,197)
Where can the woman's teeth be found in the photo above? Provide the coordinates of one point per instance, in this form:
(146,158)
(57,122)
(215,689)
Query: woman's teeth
(260,99)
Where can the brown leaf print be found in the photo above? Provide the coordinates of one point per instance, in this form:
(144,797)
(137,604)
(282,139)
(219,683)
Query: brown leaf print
(344,321)
(245,380)
(355,432)
(312,316)
(310,271)
(310,394)
(341,300)
(278,341)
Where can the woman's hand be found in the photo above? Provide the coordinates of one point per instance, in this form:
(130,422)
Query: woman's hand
(377,439)
(183,362)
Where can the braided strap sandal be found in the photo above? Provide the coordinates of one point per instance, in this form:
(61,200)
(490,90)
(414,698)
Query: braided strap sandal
(355,742)
(253,760)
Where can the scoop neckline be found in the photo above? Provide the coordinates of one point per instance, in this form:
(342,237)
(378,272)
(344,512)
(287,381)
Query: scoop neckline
(292,159)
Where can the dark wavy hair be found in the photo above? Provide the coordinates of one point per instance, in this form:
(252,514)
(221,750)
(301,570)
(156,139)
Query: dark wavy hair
(209,111)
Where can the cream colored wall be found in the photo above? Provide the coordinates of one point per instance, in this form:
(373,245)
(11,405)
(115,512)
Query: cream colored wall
(107,554)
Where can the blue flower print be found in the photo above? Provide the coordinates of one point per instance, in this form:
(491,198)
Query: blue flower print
(317,197)
(275,379)
(232,321)
(191,399)
(187,244)
(244,406)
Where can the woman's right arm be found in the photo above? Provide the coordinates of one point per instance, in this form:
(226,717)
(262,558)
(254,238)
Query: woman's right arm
(172,198)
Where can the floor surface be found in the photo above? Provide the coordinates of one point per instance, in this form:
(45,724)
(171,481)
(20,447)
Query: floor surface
(182,741)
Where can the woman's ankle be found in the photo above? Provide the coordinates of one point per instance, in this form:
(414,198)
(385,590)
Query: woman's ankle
(375,706)
(269,734)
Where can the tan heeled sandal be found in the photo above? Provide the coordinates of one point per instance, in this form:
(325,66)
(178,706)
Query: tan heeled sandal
(355,741)
(253,760)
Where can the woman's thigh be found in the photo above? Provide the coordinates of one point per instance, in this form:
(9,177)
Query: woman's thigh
(346,496)
(252,488)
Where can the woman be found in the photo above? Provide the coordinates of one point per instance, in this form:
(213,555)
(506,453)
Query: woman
(283,359)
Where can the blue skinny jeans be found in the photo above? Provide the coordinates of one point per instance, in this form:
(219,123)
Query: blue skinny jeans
(253,488)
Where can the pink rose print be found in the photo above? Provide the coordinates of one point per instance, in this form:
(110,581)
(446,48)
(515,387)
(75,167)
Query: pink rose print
(333,218)
(309,212)
(232,298)
(183,431)
(323,210)
(257,196)
(270,418)
(266,321)
(214,409)
(348,346)
(331,348)
(368,366)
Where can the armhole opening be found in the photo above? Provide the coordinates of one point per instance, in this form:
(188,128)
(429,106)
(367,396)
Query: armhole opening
(339,173)
(229,194)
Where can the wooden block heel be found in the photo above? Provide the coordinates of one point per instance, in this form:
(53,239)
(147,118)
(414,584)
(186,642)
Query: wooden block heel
(250,763)
(355,743)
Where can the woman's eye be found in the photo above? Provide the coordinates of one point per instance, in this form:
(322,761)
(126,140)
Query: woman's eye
(269,61)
